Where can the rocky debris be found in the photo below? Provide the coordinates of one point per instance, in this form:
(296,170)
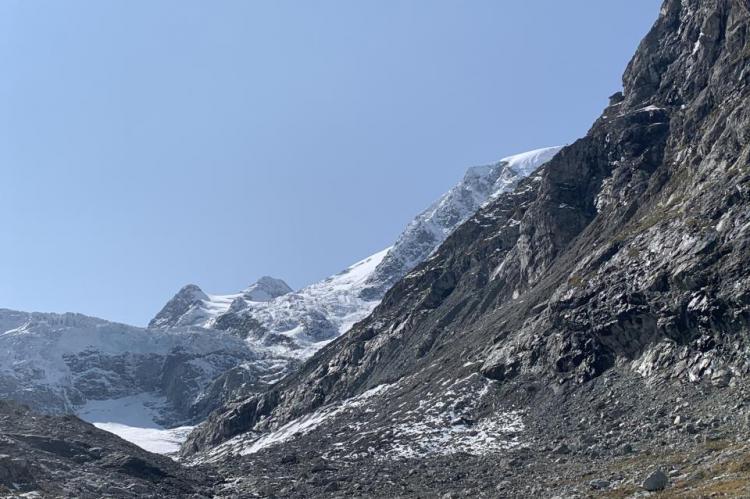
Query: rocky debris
(561,449)
(599,484)
(15,471)
(62,456)
(355,447)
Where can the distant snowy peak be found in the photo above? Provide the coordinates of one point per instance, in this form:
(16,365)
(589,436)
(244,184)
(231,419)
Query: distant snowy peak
(192,307)
(296,324)
(430,228)
(186,304)
(266,289)
(527,162)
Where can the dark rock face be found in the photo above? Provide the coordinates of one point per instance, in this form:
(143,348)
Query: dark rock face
(61,456)
(628,252)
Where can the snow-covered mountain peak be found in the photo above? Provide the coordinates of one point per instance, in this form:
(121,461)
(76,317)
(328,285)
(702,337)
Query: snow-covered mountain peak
(187,302)
(525,163)
(265,289)
(430,228)
(191,293)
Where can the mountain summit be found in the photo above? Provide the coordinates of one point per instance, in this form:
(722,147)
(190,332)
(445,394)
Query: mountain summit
(266,289)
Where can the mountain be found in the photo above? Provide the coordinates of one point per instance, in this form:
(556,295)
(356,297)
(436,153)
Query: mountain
(201,351)
(62,363)
(586,334)
(297,324)
(192,307)
(290,326)
(430,228)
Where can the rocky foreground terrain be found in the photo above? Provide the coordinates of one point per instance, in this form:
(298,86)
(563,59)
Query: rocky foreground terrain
(586,334)
(62,456)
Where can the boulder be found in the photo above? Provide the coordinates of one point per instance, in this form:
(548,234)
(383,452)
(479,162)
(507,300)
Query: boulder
(656,481)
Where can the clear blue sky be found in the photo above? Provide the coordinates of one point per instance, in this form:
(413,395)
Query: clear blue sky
(149,144)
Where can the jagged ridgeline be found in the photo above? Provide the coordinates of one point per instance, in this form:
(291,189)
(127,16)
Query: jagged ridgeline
(203,350)
(586,333)
(619,271)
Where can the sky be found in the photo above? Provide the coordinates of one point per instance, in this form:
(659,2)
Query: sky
(147,144)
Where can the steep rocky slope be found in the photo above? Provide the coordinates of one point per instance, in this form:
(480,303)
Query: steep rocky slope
(600,308)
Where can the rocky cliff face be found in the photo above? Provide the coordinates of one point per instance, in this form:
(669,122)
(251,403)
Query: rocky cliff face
(619,268)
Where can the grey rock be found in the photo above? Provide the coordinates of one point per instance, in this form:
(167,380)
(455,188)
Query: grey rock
(599,484)
(721,378)
(561,449)
(15,471)
(656,481)
(62,456)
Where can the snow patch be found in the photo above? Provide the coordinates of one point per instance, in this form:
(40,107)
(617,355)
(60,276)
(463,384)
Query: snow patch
(133,419)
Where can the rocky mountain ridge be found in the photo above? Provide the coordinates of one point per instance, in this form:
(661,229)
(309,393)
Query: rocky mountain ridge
(308,318)
(617,269)
(203,350)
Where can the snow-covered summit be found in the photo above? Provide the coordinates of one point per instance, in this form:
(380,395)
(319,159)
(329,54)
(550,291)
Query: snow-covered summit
(192,307)
(431,227)
(185,306)
(266,289)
